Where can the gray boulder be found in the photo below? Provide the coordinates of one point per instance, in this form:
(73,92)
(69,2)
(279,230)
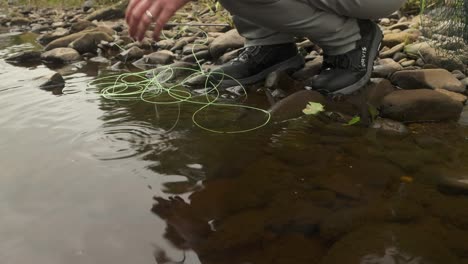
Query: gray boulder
(420,106)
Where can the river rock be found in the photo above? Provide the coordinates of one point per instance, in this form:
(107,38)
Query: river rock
(165,44)
(160,57)
(87,5)
(376,91)
(193,48)
(386,67)
(61,55)
(228,56)
(458,74)
(52,81)
(390,127)
(89,41)
(49,37)
(389,244)
(455,96)
(464,117)
(391,52)
(107,13)
(420,106)
(25,57)
(229,40)
(427,78)
(81,25)
(431,56)
(131,54)
(393,39)
(19,21)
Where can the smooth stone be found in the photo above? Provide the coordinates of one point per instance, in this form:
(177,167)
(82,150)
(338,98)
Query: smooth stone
(112,12)
(129,55)
(193,48)
(89,42)
(465,82)
(408,63)
(385,22)
(201,56)
(99,59)
(400,26)
(393,39)
(229,40)
(49,37)
(391,52)
(385,68)
(61,55)
(421,105)
(160,57)
(427,78)
(377,90)
(455,96)
(52,81)
(25,57)
(19,21)
(228,56)
(65,41)
(182,42)
(165,44)
(399,56)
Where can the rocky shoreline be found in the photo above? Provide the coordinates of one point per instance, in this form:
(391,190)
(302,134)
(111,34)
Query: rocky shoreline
(411,81)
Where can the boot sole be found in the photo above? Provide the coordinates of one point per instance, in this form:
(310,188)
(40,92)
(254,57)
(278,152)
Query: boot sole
(295,62)
(374,50)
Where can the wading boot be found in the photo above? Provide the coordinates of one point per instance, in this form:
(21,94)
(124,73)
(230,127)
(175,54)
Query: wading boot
(254,63)
(347,73)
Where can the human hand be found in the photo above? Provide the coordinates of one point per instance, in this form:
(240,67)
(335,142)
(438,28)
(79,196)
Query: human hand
(140,14)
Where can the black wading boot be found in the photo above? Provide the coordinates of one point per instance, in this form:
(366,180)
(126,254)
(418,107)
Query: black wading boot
(254,63)
(347,73)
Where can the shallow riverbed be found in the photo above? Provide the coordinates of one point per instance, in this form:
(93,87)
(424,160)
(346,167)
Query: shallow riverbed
(79,172)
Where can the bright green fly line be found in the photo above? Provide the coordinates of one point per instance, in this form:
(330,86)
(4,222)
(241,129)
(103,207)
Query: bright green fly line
(159,90)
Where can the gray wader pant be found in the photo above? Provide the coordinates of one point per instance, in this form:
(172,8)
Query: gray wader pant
(332,24)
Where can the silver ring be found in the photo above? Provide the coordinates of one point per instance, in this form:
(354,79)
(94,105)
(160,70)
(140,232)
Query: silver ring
(148,13)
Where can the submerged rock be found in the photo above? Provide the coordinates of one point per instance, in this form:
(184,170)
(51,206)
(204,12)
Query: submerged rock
(389,244)
(390,127)
(420,106)
(52,81)
(292,106)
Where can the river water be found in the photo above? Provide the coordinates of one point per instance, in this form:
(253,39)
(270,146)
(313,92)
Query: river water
(79,173)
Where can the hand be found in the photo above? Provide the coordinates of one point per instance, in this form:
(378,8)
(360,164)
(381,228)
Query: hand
(161,11)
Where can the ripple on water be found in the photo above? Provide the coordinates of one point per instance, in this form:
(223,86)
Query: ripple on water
(122,141)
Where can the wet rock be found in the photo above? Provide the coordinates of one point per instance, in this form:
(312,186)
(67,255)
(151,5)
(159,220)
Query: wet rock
(292,106)
(390,127)
(61,55)
(89,42)
(132,54)
(201,56)
(427,78)
(399,56)
(453,184)
(99,59)
(81,25)
(64,41)
(386,67)
(160,57)
(310,69)
(229,40)
(455,96)
(393,39)
(389,244)
(58,24)
(391,52)
(25,57)
(182,42)
(52,81)
(420,106)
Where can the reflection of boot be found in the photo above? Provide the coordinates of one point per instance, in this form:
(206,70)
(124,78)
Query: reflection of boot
(184,222)
(346,73)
